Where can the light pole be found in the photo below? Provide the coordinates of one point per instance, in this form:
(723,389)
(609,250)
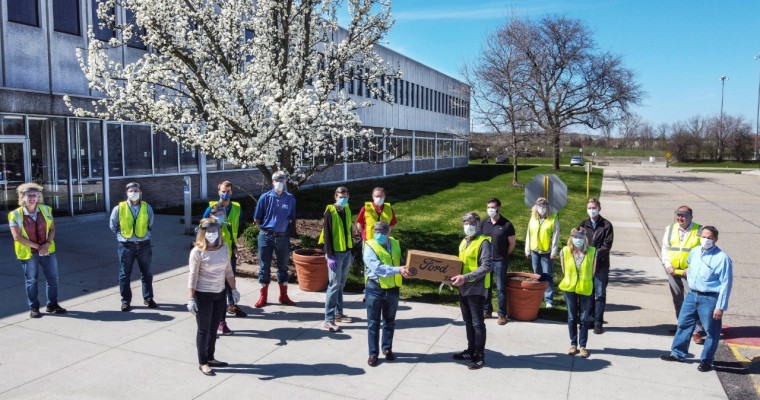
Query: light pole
(722,87)
(757,116)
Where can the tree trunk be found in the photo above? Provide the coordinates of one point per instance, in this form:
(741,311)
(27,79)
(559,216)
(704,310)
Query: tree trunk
(555,137)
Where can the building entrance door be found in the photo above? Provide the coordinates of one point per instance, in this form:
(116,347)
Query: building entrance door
(13,172)
(86,150)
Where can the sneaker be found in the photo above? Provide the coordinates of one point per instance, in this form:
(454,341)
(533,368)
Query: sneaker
(598,329)
(477,362)
(389,355)
(35,313)
(236,311)
(572,350)
(150,303)
(502,320)
(344,319)
(330,326)
(583,352)
(697,338)
(465,355)
(223,329)
(124,306)
(55,308)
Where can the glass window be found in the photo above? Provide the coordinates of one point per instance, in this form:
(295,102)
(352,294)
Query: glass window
(165,156)
(66,16)
(137,150)
(105,33)
(137,32)
(188,160)
(24,12)
(115,150)
(214,164)
(12,125)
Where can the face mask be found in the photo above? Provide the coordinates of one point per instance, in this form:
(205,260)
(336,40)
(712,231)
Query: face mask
(491,212)
(541,210)
(381,238)
(225,196)
(220,218)
(706,243)
(592,212)
(379,201)
(134,196)
(578,242)
(342,201)
(279,187)
(469,230)
(211,237)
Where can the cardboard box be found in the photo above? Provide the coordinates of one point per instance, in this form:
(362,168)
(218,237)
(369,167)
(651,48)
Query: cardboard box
(434,267)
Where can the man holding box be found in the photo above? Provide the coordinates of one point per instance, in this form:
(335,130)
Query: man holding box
(474,282)
(382,277)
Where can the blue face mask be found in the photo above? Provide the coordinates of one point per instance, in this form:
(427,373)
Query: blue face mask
(225,196)
(381,238)
(342,201)
(220,218)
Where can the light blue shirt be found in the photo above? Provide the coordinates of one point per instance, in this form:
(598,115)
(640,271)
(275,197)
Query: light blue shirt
(374,268)
(114,223)
(711,271)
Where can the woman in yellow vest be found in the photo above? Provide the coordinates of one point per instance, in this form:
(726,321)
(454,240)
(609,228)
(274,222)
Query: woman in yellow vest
(578,266)
(336,237)
(542,243)
(33,232)
(382,277)
(475,281)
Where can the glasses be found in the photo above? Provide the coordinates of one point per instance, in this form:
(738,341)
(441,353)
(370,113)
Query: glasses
(32,195)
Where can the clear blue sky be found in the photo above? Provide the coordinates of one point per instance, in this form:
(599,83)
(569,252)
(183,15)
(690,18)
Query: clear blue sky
(678,49)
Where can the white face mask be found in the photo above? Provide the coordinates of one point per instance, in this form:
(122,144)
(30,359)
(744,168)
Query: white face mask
(469,230)
(134,196)
(593,212)
(492,212)
(579,243)
(541,210)
(706,243)
(279,187)
(211,237)
(379,201)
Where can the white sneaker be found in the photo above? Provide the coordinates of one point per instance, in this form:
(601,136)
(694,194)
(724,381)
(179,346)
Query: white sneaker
(344,319)
(330,326)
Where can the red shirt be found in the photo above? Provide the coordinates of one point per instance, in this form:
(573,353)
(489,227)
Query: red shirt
(378,210)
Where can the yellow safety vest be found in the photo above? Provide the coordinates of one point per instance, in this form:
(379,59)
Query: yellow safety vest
(541,233)
(130,225)
(339,230)
(371,217)
(393,258)
(24,252)
(469,256)
(677,251)
(580,281)
(233,219)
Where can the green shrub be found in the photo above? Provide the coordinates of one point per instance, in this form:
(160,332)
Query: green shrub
(251,237)
(308,242)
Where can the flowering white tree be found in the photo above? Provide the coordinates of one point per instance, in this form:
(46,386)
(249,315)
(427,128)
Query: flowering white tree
(258,83)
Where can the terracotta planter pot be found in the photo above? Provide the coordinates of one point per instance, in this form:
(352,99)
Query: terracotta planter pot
(311,269)
(524,295)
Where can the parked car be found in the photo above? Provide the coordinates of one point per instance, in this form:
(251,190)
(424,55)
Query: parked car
(502,159)
(576,160)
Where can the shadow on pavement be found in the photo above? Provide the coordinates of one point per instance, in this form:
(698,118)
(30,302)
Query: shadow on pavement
(659,330)
(630,277)
(284,370)
(118,316)
(283,335)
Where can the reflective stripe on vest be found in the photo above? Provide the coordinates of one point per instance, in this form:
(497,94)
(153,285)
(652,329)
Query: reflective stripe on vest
(24,252)
(678,251)
(468,253)
(393,258)
(339,229)
(130,225)
(541,233)
(371,217)
(233,219)
(575,281)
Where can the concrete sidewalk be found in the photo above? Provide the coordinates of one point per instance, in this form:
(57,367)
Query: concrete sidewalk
(97,352)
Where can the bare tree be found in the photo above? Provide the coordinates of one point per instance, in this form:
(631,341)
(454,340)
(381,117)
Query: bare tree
(732,126)
(563,78)
(630,128)
(696,128)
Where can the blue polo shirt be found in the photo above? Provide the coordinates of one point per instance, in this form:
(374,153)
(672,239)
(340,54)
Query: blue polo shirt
(275,211)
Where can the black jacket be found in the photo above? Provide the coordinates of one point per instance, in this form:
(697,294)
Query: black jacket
(601,238)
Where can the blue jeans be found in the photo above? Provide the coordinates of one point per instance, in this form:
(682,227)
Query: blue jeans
(499,277)
(380,303)
(336,282)
(544,265)
(472,314)
(210,311)
(280,246)
(578,307)
(601,278)
(701,307)
(129,252)
(49,265)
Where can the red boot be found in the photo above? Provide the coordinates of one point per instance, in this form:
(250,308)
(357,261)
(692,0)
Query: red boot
(284,299)
(264,291)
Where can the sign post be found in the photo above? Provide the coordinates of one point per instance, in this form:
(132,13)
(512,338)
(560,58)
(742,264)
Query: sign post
(667,159)
(186,192)
(549,187)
